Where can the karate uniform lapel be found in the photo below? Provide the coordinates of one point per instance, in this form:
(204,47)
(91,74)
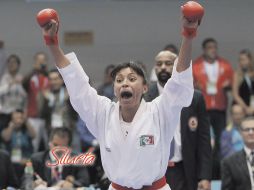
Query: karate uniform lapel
(135,126)
(129,143)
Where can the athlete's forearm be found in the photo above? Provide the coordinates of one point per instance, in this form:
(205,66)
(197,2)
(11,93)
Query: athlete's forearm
(184,58)
(60,60)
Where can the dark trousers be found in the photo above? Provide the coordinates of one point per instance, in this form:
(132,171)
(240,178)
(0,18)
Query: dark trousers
(176,178)
(218,122)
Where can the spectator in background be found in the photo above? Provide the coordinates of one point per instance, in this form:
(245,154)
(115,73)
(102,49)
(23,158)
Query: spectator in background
(34,83)
(106,89)
(56,109)
(169,47)
(2,59)
(18,137)
(213,75)
(59,137)
(237,169)
(231,140)
(190,163)
(8,176)
(12,93)
(54,103)
(243,85)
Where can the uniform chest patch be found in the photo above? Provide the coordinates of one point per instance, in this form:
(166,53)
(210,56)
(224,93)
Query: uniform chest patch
(146,140)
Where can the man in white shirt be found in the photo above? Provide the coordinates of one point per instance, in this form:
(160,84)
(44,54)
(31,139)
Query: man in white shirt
(213,76)
(237,170)
(62,176)
(190,161)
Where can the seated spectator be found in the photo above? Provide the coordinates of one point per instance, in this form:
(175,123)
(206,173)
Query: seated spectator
(106,89)
(231,140)
(12,93)
(243,85)
(8,177)
(17,137)
(79,175)
(237,169)
(54,104)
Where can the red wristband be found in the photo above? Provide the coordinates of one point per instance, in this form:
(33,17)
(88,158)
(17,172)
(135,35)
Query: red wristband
(51,40)
(189,32)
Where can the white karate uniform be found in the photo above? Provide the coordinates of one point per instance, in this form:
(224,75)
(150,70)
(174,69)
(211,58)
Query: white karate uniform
(127,161)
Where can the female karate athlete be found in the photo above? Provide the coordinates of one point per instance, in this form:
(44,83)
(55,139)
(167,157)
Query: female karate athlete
(134,135)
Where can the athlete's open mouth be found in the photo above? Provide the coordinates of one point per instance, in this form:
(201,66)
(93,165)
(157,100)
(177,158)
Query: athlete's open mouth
(126,94)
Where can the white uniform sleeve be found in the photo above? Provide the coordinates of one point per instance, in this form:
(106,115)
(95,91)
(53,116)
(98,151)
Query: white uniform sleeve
(177,93)
(179,90)
(90,106)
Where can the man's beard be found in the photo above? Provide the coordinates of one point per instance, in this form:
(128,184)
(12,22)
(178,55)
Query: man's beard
(163,76)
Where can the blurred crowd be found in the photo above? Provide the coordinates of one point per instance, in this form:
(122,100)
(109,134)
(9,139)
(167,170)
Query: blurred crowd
(36,115)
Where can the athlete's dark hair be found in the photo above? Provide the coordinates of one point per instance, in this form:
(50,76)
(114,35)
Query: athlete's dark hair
(134,66)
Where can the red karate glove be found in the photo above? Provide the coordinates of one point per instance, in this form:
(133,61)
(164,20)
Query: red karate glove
(193,12)
(45,18)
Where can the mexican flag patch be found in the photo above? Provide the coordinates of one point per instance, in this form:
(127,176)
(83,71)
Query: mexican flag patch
(146,140)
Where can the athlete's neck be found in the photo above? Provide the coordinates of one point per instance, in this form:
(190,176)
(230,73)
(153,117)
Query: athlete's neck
(129,113)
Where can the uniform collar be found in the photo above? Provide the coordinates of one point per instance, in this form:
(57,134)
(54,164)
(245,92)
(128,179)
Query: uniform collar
(140,110)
